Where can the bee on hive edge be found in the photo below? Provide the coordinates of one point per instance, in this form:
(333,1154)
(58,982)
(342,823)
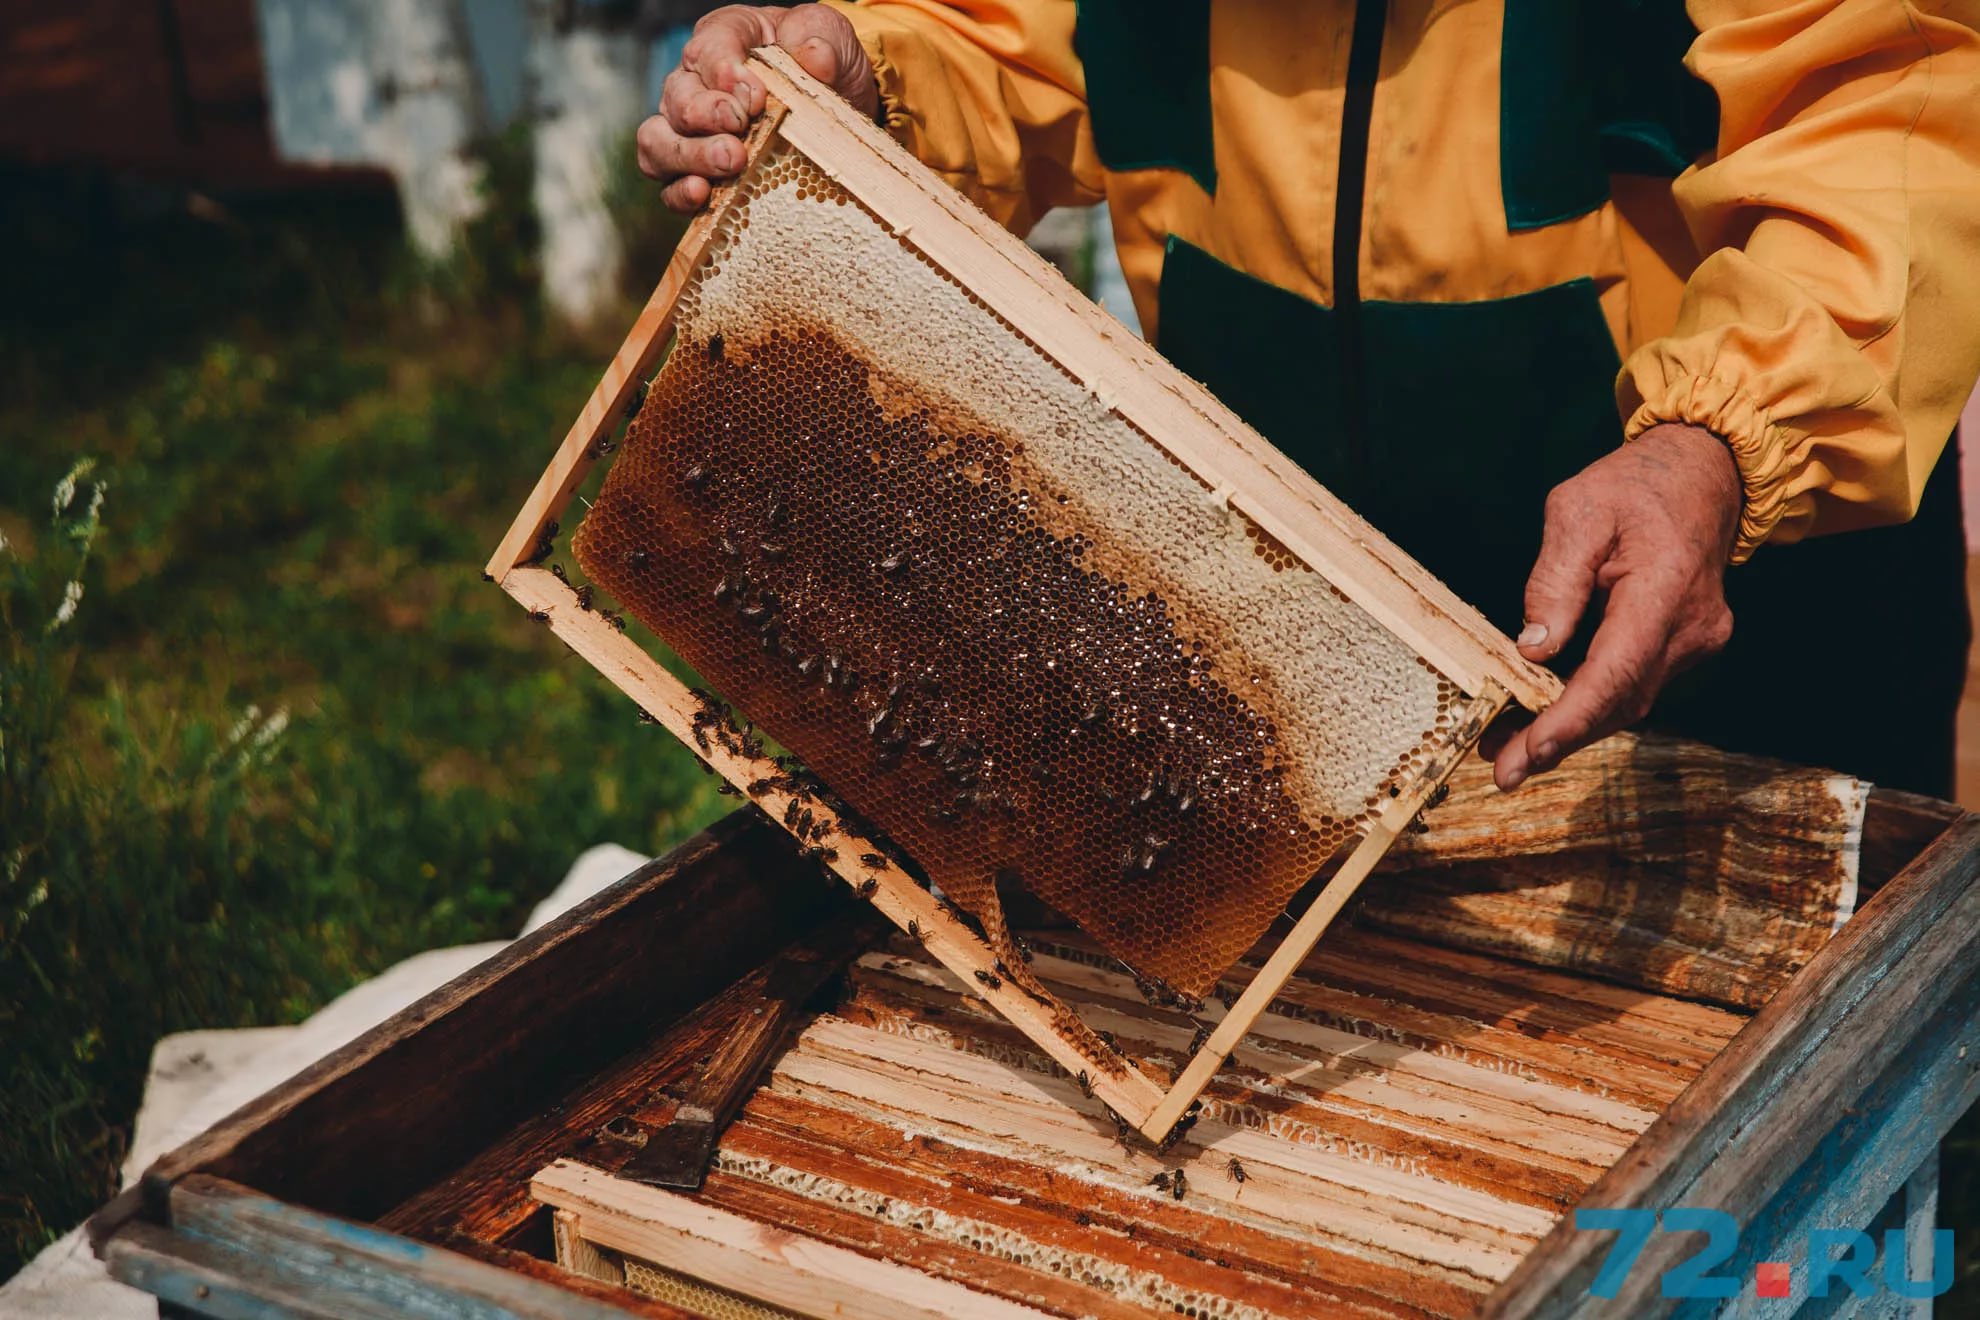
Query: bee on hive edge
(868,887)
(1200,1038)
(647,717)
(546,543)
(819,853)
(913,929)
(987,978)
(1236,1170)
(1163,1180)
(539,616)
(873,860)
(616,620)
(584,596)
(1085,1083)
(557,571)
(1179,1185)
(1437,796)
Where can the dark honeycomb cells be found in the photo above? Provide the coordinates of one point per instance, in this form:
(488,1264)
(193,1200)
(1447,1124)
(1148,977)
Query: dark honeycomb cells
(871,586)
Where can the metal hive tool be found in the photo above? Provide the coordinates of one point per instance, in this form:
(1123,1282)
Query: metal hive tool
(1031,609)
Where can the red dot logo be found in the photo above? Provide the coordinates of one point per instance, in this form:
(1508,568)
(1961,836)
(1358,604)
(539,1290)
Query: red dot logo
(1773,1278)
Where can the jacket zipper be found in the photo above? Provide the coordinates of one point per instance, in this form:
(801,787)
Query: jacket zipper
(1364,67)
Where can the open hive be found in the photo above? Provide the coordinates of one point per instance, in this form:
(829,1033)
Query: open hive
(1028,609)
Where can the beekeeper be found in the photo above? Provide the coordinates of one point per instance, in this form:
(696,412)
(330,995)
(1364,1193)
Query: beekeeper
(1451,257)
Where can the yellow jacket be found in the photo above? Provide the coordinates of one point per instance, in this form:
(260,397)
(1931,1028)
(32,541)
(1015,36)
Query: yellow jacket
(1797,268)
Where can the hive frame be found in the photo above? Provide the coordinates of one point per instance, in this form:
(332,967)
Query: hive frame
(1141,387)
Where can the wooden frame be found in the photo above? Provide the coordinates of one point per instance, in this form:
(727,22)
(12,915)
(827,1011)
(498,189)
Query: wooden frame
(1199,433)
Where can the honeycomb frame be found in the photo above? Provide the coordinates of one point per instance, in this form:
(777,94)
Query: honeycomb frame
(1291,517)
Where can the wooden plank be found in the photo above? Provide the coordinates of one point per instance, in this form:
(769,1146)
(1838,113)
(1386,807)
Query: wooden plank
(673,705)
(1312,924)
(257,1257)
(677,1155)
(1762,1107)
(1649,861)
(810,1277)
(1146,390)
(355,1132)
(1868,1157)
(629,368)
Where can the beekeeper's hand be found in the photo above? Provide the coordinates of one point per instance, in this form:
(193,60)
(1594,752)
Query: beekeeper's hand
(1649,527)
(706,104)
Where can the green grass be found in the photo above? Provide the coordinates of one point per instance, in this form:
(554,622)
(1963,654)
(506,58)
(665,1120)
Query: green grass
(290,735)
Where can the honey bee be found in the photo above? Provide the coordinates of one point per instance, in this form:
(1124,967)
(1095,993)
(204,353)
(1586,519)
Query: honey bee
(819,853)
(1236,1171)
(774,551)
(605,444)
(1085,1083)
(914,931)
(638,559)
(727,789)
(868,887)
(618,621)
(728,547)
(1437,796)
(584,596)
(546,543)
(1202,1036)
(647,717)
(696,477)
(987,978)
(716,347)
(557,571)
(1083,1219)
(636,400)
(540,616)
(893,563)
(1179,1185)
(873,860)
(1163,1180)
(779,513)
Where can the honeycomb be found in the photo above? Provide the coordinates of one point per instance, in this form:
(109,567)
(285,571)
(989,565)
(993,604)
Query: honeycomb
(998,621)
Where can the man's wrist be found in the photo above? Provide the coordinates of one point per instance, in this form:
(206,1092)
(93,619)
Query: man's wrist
(1708,460)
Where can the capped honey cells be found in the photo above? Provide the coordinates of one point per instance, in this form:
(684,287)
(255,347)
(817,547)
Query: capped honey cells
(1002,626)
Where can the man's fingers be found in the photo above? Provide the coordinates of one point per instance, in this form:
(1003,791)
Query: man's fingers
(687,194)
(720,44)
(695,108)
(1575,542)
(821,40)
(664,153)
(1625,665)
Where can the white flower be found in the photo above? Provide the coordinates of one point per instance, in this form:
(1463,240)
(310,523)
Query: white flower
(71,597)
(244,725)
(273,729)
(4,546)
(65,493)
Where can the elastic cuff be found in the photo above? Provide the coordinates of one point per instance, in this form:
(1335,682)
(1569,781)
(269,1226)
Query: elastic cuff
(1759,448)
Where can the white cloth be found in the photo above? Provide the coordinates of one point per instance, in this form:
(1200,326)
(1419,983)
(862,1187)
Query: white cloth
(199,1077)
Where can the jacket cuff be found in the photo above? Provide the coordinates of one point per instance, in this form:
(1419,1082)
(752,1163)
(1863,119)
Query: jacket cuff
(1759,448)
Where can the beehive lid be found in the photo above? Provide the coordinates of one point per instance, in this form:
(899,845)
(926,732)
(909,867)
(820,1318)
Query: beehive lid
(1028,609)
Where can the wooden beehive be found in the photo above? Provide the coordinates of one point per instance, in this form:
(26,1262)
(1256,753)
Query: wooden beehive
(1419,1117)
(1031,606)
